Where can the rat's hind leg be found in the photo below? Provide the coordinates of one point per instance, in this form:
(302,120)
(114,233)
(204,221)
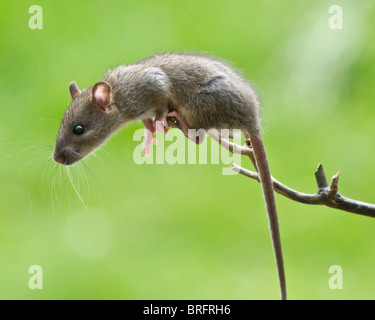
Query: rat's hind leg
(180,122)
(197,136)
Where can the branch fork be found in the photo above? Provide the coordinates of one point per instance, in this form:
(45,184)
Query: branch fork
(327,194)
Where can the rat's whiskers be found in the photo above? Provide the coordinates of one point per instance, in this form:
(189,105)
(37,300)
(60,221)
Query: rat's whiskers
(75,187)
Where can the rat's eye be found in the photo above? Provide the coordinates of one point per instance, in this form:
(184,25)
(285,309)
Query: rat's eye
(79,129)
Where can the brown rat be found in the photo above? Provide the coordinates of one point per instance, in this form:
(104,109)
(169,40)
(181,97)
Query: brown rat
(199,91)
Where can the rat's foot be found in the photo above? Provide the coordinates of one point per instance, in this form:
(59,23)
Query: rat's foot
(161,123)
(149,136)
(197,136)
(180,122)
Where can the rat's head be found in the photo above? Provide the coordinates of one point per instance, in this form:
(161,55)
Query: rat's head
(91,118)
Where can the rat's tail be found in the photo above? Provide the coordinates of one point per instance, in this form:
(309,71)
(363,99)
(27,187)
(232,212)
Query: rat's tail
(269,198)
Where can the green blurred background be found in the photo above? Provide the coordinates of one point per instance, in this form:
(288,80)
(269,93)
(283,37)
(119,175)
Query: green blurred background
(186,231)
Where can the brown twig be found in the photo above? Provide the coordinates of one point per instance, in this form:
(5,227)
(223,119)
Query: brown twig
(327,195)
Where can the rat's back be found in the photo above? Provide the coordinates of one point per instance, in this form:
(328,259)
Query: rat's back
(208,92)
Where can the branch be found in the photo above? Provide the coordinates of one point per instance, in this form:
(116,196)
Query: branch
(233,147)
(327,194)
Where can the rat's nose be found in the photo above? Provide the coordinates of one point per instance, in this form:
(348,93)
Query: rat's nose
(60,160)
(66,156)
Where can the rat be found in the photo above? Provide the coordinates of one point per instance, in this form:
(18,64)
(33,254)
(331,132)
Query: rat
(196,90)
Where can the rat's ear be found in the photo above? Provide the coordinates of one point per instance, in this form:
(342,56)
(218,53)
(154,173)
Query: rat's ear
(73,90)
(101,95)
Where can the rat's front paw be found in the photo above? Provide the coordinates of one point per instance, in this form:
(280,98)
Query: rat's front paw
(148,141)
(161,125)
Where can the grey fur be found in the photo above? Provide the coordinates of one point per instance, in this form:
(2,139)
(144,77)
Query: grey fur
(205,91)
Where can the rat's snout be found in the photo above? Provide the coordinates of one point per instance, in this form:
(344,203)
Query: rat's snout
(66,156)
